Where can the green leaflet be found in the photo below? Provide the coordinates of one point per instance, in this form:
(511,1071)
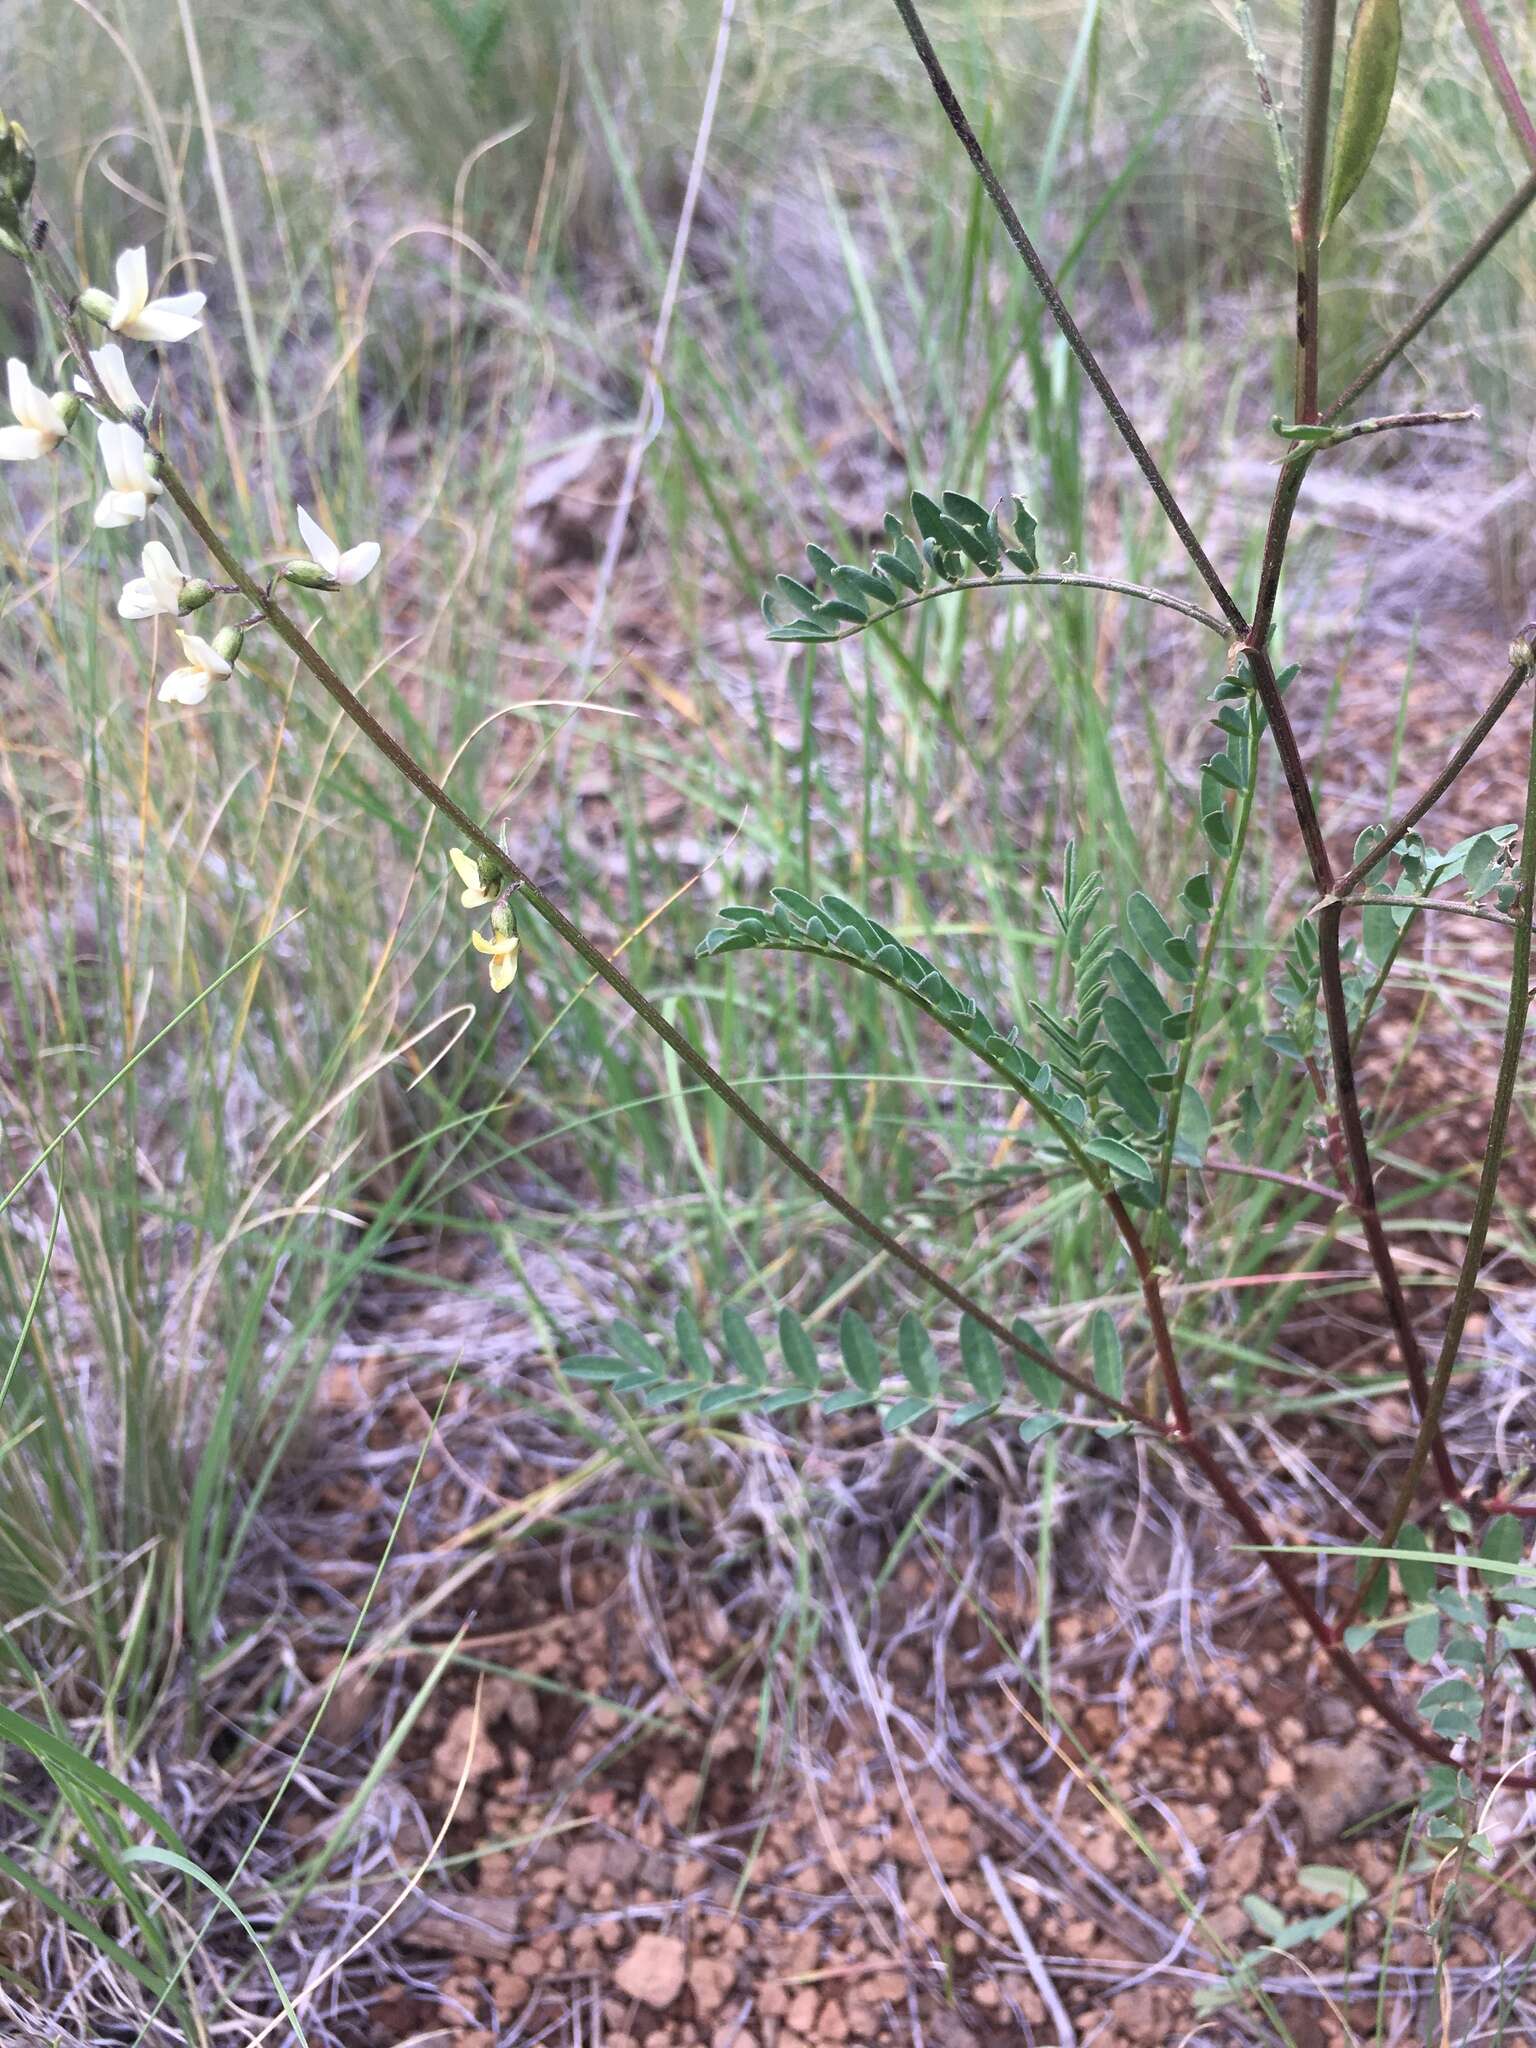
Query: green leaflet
(1108,1358)
(1370,73)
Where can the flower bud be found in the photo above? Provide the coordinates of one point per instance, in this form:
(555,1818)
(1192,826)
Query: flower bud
(1522,652)
(18,166)
(310,576)
(95,304)
(228,642)
(194,595)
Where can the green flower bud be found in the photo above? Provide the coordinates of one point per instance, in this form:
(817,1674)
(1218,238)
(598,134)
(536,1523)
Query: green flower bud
(309,576)
(228,642)
(194,595)
(95,304)
(18,168)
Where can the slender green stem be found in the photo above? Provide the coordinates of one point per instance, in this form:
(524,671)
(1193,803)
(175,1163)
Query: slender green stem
(1207,962)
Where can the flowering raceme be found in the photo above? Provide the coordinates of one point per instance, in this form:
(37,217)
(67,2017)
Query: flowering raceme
(139,471)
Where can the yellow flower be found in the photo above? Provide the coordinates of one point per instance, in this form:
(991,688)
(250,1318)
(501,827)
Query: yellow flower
(502,947)
(467,868)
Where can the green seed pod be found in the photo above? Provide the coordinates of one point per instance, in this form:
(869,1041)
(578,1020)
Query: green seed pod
(95,304)
(68,403)
(228,642)
(194,595)
(1370,74)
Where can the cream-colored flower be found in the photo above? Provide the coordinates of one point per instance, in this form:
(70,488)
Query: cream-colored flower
(40,422)
(141,318)
(157,593)
(112,369)
(503,948)
(132,486)
(346,567)
(204,666)
(467,868)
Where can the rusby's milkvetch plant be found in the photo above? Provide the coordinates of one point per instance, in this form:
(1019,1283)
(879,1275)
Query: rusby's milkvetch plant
(1107,1073)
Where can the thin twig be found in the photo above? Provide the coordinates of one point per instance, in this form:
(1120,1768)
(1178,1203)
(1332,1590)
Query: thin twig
(1493,1160)
(1426,310)
(1479,731)
(1045,284)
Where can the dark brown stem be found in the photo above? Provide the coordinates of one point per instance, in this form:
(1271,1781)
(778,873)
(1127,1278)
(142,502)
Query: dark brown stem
(1182,1437)
(1480,29)
(1361,1186)
(1045,284)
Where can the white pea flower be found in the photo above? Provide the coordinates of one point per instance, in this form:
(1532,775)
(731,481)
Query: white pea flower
(342,568)
(41,423)
(467,868)
(132,486)
(157,593)
(204,666)
(134,313)
(111,368)
(502,946)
